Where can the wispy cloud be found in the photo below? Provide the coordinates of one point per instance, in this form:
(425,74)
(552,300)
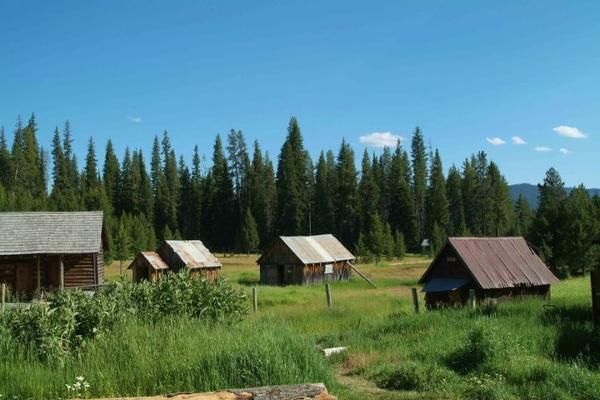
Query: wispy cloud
(518,140)
(542,149)
(380,139)
(496,141)
(134,119)
(570,132)
(565,151)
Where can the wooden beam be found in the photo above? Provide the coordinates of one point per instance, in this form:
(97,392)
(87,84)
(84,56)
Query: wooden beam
(38,276)
(95,261)
(61,284)
(362,276)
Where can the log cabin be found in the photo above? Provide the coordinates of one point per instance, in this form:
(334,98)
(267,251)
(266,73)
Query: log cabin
(495,268)
(175,255)
(304,260)
(46,251)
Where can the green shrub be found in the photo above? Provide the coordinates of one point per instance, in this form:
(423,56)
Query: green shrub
(71,317)
(482,345)
(405,376)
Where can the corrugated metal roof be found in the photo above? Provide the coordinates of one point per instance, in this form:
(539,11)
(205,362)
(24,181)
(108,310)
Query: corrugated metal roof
(153,260)
(501,262)
(50,232)
(194,254)
(317,249)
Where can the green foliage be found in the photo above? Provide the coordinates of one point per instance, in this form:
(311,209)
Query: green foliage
(73,317)
(399,245)
(248,235)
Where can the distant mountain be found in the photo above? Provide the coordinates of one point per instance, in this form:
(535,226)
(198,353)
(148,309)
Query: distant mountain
(530,192)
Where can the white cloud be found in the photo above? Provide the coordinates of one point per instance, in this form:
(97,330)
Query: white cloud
(542,149)
(496,141)
(518,140)
(570,132)
(565,151)
(380,139)
(134,119)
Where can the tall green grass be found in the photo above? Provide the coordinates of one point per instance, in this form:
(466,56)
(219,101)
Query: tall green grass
(172,355)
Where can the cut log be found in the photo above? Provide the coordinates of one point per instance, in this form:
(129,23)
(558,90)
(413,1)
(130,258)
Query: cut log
(315,391)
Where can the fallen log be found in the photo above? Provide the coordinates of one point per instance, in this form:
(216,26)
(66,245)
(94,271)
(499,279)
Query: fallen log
(314,391)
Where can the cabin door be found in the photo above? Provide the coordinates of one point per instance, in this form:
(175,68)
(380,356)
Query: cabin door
(281,274)
(25,280)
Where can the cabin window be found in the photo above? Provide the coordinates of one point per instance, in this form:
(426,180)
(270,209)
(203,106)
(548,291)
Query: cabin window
(329,268)
(451,259)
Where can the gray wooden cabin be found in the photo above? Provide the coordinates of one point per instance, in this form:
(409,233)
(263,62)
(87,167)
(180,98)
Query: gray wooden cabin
(304,260)
(45,251)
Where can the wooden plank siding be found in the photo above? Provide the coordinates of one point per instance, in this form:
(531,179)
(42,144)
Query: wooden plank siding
(300,274)
(20,272)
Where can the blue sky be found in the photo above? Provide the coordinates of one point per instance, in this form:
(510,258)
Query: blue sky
(464,71)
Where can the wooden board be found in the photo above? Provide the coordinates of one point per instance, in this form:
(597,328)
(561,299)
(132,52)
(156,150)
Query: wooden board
(316,391)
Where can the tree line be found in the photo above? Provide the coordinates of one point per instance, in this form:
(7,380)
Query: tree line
(390,205)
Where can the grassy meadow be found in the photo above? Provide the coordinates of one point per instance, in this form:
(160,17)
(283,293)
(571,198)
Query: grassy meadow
(518,350)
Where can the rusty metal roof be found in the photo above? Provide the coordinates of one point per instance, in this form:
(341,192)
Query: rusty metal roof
(194,254)
(50,232)
(151,258)
(317,249)
(499,262)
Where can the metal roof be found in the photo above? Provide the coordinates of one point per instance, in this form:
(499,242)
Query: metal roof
(317,249)
(50,232)
(499,262)
(194,254)
(153,259)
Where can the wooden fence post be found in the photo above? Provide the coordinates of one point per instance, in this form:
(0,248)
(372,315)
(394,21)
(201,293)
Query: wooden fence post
(472,299)
(328,293)
(415,298)
(3,296)
(255,299)
(595,280)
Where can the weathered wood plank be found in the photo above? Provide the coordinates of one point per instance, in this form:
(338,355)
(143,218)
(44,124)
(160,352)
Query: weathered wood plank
(315,391)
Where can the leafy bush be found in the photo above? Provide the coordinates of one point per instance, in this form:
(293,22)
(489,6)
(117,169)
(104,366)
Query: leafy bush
(405,376)
(71,317)
(481,346)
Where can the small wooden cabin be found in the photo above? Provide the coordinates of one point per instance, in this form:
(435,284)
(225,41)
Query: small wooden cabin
(175,255)
(496,268)
(304,260)
(45,251)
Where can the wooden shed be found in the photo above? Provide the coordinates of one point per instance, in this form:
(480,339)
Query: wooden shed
(44,251)
(304,260)
(497,268)
(175,255)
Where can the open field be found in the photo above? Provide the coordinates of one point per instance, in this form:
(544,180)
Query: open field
(523,349)
(519,350)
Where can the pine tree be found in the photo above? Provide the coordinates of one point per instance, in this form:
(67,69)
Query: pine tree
(239,164)
(419,187)
(5,161)
(402,214)
(579,228)
(523,217)
(248,234)
(438,238)
(457,225)
(377,242)
(547,223)
(437,202)
(110,175)
(170,195)
(389,244)
(369,194)
(262,196)
(292,179)
(346,196)
(122,242)
(399,245)
(501,215)
(220,197)
(323,220)
(186,206)
(469,188)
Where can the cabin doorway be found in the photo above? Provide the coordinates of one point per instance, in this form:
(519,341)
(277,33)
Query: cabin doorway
(280,274)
